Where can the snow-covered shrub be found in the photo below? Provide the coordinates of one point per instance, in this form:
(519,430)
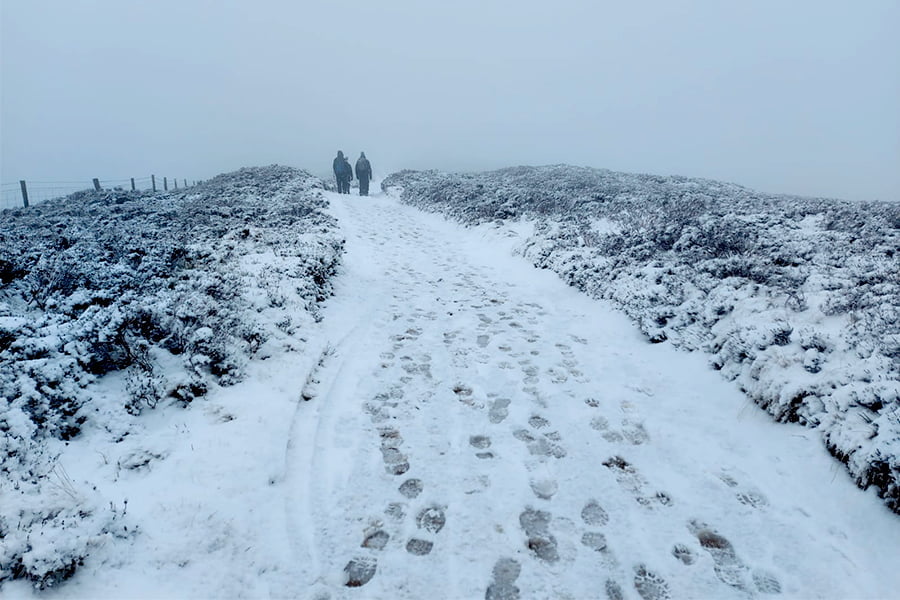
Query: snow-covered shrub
(54,529)
(136,282)
(796,299)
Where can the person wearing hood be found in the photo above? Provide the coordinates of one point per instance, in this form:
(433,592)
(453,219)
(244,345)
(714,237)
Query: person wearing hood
(363,173)
(342,173)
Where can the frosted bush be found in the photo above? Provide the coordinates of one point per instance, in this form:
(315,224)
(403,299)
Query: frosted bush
(116,281)
(795,299)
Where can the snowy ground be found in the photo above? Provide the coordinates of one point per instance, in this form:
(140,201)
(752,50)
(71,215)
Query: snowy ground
(475,429)
(797,300)
(116,304)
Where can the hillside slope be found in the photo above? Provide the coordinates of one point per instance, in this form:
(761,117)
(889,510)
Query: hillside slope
(169,295)
(795,299)
(423,415)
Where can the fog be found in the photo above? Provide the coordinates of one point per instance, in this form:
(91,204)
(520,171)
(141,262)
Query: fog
(795,97)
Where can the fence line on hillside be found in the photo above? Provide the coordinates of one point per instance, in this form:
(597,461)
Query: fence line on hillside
(27,193)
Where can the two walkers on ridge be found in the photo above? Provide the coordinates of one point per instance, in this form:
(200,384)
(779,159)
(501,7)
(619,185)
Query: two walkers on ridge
(343,173)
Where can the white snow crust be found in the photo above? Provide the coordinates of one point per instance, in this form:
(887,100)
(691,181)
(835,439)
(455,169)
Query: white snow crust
(797,300)
(438,419)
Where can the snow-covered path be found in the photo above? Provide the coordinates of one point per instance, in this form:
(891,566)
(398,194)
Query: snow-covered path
(475,429)
(478,429)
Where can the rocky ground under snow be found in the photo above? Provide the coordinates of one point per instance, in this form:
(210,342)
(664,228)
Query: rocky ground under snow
(795,299)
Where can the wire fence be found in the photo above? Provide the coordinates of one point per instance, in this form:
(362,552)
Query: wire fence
(12,195)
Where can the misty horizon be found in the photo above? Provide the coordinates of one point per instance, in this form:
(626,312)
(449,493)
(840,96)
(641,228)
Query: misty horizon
(798,99)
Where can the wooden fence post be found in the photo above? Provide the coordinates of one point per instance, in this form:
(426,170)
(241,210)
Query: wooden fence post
(97,187)
(175,180)
(185,183)
(24,193)
(132,184)
(153,182)
(165,184)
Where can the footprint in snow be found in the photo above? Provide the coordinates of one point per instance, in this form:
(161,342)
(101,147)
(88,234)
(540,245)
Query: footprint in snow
(594,540)
(726,564)
(499,410)
(418,547)
(544,489)
(390,450)
(599,423)
(481,442)
(411,488)
(431,519)
(612,437)
(503,581)
(753,498)
(766,582)
(614,590)
(395,462)
(553,435)
(557,375)
(538,422)
(536,524)
(649,585)
(635,433)
(541,446)
(632,481)
(390,437)
(376,540)
(376,414)
(359,571)
(415,369)
(684,554)
(593,514)
(463,392)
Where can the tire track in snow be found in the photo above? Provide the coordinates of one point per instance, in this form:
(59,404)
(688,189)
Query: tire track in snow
(313,419)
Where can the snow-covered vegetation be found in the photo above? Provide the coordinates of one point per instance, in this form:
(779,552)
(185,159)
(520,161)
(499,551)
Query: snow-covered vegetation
(795,299)
(172,293)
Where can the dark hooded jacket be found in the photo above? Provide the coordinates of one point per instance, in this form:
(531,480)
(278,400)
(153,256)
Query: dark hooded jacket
(342,167)
(363,167)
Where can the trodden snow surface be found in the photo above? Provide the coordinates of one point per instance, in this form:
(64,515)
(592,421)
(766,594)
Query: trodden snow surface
(477,429)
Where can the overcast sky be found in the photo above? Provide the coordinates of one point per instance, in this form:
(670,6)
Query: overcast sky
(799,96)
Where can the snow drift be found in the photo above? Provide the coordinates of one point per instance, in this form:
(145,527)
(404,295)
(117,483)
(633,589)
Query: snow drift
(796,299)
(155,287)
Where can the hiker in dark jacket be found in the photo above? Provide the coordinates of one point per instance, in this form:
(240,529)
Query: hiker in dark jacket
(342,173)
(349,170)
(363,173)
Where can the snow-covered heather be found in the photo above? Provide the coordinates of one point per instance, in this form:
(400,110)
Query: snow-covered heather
(796,299)
(451,423)
(167,295)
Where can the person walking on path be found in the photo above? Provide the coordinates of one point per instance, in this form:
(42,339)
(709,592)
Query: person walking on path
(349,170)
(342,173)
(363,173)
